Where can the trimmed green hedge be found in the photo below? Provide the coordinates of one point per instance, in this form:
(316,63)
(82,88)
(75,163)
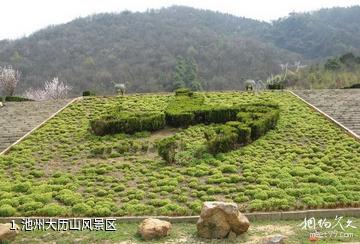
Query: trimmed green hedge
(128,123)
(183,92)
(88,93)
(244,123)
(17,99)
(276,86)
(180,111)
(354,86)
(185,110)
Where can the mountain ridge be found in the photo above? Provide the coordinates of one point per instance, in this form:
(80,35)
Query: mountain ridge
(140,48)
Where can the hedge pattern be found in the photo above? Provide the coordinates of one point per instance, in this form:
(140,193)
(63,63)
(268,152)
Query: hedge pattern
(244,123)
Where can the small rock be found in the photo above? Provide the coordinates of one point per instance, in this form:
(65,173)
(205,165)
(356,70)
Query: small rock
(154,228)
(232,235)
(1,104)
(274,239)
(217,219)
(6,234)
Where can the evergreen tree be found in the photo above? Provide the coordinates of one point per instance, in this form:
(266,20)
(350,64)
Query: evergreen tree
(180,71)
(186,74)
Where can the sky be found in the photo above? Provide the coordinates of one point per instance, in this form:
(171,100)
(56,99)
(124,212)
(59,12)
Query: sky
(22,17)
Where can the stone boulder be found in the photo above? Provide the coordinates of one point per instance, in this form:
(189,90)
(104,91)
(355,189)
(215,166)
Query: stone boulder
(218,219)
(154,228)
(6,234)
(1,104)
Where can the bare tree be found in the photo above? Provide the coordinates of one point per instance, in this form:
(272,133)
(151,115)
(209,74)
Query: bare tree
(56,89)
(35,94)
(9,79)
(52,90)
(298,66)
(284,68)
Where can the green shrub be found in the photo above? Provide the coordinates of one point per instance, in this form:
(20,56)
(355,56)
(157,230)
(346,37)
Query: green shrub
(256,205)
(224,141)
(69,197)
(37,173)
(101,193)
(43,197)
(81,209)
(22,187)
(167,149)
(244,117)
(31,206)
(261,195)
(62,180)
(244,134)
(159,202)
(195,206)
(17,99)
(52,210)
(6,210)
(119,187)
(183,92)
(180,110)
(280,85)
(180,119)
(209,115)
(88,93)
(258,129)
(101,211)
(228,168)
(123,147)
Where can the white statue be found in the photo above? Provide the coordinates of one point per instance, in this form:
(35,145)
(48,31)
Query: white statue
(250,85)
(119,87)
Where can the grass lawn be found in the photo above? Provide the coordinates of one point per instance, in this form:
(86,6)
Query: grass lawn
(62,169)
(186,233)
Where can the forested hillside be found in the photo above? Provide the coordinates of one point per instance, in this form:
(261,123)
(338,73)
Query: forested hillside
(337,72)
(142,49)
(328,32)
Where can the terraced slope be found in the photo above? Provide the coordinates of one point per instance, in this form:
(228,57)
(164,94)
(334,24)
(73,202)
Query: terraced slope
(62,169)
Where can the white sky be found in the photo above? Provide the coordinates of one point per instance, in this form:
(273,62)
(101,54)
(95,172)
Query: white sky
(22,17)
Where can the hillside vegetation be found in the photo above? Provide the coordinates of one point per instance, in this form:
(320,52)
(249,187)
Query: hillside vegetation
(338,72)
(141,49)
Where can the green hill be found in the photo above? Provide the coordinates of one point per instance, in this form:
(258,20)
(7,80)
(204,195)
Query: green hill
(140,49)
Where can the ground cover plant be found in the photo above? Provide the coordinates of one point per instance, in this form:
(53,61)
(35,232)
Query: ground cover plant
(63,169)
